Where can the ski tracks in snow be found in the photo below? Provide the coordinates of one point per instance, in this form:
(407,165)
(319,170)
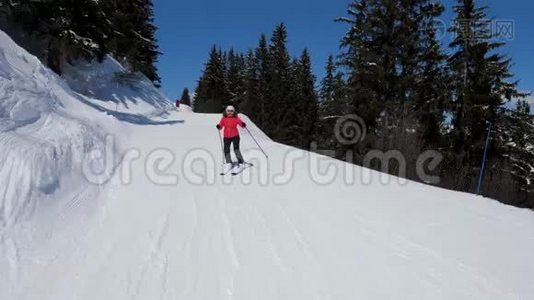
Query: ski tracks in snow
(230,245)
(439,274)
(292,261)
(233,242)
(209,250)
(156,260)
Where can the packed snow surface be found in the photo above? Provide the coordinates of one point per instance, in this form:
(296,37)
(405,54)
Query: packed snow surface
(163,224)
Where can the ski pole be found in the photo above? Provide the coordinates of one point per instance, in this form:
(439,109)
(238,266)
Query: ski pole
(252,136)
(222,146)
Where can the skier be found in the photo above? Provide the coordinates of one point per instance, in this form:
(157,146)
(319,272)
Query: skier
(229,122)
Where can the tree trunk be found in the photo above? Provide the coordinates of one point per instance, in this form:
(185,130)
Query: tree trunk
(54,59)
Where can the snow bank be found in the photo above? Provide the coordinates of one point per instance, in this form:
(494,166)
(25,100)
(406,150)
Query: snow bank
(42,143)
(185,108)
(49,126)
(109,86)
(55,134)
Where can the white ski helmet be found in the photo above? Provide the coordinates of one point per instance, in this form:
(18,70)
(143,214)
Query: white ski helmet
(230,108)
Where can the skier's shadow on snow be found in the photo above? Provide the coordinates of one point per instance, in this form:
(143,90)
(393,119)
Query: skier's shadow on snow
(130,118)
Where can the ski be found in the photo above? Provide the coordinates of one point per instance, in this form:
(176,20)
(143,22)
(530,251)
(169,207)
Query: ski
(223,173)
(226,172)
(244,166)
(235,171)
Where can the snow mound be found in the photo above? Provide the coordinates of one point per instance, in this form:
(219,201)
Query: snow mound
(23,101)
(109,86)
(185,108)
(59,146)
(43,142)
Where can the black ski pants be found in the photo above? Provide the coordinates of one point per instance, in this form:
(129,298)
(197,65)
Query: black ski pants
(227,143)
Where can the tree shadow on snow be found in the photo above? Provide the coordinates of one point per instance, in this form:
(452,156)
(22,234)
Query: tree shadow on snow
(129,118)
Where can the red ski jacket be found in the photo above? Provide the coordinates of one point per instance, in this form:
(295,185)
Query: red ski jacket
(230,126)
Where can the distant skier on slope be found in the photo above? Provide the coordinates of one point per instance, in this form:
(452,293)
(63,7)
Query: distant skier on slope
(229,123)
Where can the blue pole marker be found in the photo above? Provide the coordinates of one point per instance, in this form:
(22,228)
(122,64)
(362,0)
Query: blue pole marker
(483,167)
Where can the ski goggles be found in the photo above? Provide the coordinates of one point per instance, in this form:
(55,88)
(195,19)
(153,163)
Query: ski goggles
(230,111)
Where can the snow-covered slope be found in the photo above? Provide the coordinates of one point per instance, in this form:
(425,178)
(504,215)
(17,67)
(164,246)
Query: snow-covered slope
(167,226)
(44,134)
(49,140)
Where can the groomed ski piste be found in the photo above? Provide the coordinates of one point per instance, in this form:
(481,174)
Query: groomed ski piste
(107,192)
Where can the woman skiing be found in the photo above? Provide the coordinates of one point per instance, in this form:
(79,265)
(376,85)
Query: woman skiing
(229,123)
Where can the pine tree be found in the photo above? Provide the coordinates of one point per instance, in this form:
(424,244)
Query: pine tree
(327,84)
(481,86)
(431,92)
(251,104)
(480,76)
(146,60)
(306,104)
(262,60)
(133,40)
(212,92)
(235,68)
(292,131)
(66,30)
(333,92)
(334,104)
(515,138)
(368,57)
(278,89)
(186,98)
(523,107)
(390,50)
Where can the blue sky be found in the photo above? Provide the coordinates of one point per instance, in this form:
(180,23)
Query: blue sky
(188,28)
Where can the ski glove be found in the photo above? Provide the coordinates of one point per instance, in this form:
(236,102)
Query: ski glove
(243,124)
(219,127)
